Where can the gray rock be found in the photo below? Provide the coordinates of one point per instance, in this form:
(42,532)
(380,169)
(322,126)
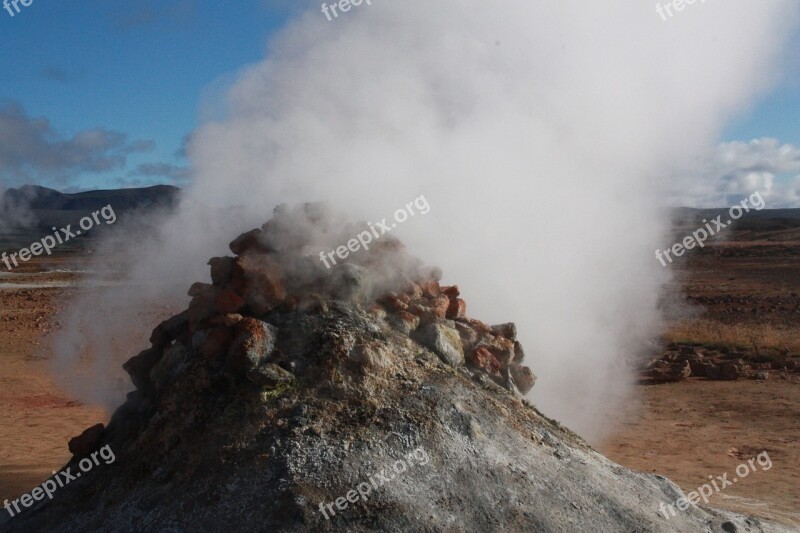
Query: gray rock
(350,283)
(168,364)
(270,375)
(443,341)
(523,377)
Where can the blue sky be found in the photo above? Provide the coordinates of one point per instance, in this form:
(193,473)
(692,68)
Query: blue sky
(143,69)
(138,68)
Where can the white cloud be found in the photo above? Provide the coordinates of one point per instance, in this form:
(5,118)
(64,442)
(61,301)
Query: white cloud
(733,170)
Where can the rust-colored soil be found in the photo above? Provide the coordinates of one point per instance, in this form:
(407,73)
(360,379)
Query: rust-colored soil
(36,418)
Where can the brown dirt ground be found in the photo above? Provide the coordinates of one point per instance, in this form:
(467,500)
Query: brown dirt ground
(698,428)
(36,418)
(685,431)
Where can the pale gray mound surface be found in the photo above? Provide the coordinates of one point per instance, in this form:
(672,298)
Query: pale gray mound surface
(248,421)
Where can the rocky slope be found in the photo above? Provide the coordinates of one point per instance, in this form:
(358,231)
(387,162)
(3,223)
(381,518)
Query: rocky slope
(290,397)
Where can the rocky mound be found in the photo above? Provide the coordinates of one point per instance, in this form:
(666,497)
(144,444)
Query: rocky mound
(681,361)
(292,397)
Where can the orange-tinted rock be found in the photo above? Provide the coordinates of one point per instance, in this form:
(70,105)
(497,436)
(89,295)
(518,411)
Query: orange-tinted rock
(457,308)
(392,302)
(501,348)
(413,291)
(259,280)
(403,321)
(451,292)
(479,326)
(484,360)
(254,341)
(440,306)
(430,289)
(228,302)
(215,345)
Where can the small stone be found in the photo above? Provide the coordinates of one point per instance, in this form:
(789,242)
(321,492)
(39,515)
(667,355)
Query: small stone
(88,441)
(507,330)
(269,375)
(523,377)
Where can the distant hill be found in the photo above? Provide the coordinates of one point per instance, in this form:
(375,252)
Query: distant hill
(766,225)
(29,212)
(42,198)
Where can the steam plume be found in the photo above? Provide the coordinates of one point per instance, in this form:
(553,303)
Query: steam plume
(538,131)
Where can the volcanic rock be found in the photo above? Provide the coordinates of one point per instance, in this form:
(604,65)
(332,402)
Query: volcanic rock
(87,442)
(253,343)
(443,341)
(324,392)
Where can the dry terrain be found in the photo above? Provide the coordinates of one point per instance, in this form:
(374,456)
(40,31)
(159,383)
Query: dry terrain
(743,296)
(744,299)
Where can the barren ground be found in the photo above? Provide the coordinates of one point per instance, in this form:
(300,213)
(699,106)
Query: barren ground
(685,431)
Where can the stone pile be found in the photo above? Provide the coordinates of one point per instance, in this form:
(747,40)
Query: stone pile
(681,361)
(231,323)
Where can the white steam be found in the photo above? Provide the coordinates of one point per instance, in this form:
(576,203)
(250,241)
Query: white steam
(538,131)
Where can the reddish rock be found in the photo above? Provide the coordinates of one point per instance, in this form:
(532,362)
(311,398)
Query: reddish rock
(413,291)
(440,306)
(254,341)
(430,289)
(501,348)
(456,309)
(259,280)
(404,322)
(479,326)
(423,311)
(215,345)
(87,442)
(252,241)
(392,302)
(228,302)
(451,292)
(484,360)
